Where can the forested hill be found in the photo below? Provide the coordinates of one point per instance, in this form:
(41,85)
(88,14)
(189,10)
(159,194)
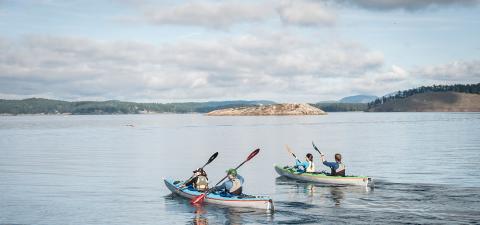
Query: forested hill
(48,106)
(451,98)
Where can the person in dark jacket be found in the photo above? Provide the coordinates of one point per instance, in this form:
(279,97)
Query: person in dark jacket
(199,181)
(337,168)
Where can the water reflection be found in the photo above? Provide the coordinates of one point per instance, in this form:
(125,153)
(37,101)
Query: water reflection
(215,214)
(199,218)
(314,193)
(310,189)
(233,216)
(337,195)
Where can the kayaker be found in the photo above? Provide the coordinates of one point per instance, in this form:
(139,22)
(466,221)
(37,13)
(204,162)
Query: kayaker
(199,180)
(337,167)
(307,166)
(233,186)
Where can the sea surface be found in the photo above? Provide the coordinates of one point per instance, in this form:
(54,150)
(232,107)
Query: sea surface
(108,169)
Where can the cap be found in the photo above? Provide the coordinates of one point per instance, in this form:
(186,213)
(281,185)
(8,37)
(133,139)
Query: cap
(232,172)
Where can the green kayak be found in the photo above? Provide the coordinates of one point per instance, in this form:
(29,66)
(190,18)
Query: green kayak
(323,178)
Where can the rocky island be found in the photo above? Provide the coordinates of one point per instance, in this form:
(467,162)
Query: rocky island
(270,110)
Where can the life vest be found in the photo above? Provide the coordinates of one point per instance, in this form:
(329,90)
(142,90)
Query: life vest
(201,184)
(340,171)
(236,188)
(310,168)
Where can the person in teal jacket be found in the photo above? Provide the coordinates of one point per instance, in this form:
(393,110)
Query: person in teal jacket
(306,167)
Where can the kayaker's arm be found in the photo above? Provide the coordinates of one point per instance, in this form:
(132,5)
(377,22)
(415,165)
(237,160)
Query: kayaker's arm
(302,164)
(192,181)
(240,178)
(332,165)
(189,182)
(322,157)
(220,187)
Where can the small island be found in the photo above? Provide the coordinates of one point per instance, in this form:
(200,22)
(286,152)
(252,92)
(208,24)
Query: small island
(290,109)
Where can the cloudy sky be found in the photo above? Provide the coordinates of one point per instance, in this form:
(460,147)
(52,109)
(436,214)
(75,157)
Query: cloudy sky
(286,51)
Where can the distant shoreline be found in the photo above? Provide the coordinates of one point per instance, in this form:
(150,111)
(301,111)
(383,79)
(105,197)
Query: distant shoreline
(436,98)
(204,114)
(104,114)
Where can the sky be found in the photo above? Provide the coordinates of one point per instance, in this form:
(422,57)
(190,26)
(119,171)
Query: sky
(285,51)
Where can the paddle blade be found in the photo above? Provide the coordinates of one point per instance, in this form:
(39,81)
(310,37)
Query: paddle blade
(290,151)
(316,149)
(212,157)
(198,200)
(253,154)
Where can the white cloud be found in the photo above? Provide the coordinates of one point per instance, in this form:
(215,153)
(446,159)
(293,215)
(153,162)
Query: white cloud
(279,64)
(459,71)
(219,15)
(397,78)
(225,14)
(306,13)
(382,81)
(396,73)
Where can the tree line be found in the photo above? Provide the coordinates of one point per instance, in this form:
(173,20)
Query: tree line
(340,106)
(462,88)
(48,106)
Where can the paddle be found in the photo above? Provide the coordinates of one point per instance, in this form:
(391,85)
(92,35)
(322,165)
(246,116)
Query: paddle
(316,149)
(208,162)
(201,198)
(290,151)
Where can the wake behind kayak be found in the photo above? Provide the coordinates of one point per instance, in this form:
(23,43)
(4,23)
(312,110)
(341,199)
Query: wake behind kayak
(246,201)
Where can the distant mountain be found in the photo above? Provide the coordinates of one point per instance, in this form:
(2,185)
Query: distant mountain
(358,99)
(347,104)
(48,106)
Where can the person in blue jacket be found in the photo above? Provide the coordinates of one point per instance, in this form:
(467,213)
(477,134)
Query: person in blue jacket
(337,168)
(306,167)
(233,186)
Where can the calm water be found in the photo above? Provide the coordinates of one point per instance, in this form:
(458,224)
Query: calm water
(97,170)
